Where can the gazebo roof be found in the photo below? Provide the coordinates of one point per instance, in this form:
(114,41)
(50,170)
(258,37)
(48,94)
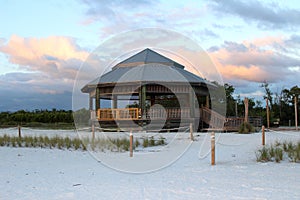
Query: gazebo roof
(145,57)
(147,66)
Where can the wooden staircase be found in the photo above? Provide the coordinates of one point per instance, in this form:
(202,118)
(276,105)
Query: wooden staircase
(216,121)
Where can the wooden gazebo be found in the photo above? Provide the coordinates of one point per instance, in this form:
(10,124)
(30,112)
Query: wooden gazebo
(144,80)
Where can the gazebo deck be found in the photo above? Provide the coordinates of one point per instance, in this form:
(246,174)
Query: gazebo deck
(174,116)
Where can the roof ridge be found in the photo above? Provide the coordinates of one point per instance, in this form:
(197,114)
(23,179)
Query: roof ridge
(147,56)
(147,53)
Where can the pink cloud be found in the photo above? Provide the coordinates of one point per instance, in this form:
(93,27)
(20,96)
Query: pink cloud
(54,55)
(253,61)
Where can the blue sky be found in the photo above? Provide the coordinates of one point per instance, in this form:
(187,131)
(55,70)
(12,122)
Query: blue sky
(43,43)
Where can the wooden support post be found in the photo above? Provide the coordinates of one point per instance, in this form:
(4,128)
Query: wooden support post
(236,109)
(93,135)
(191,132)
(296,114)
(263,135)
(19,131)
(207,102)
(90,102)
(213,146)
(192,102)
(246,102)
(131,144)
(268,114)
(97,103)
(114,101)
(142,101)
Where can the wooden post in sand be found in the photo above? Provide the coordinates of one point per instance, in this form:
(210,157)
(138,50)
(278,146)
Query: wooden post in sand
(296,114)
(93,134)
(246,102)
(213,145)
(19,131)
(131,144)
(268,114)
(263,135)
(191,132)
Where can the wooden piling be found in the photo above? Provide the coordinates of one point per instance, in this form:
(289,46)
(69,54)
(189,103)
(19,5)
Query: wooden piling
(191,132)
(213,145)
(246,103)
(93,135)
(263,135)
(296,114)
(19,131)
(268,114)
(131,144)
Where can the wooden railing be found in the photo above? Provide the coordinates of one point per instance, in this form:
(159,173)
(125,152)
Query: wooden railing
(118,114)
(169,113)
(212,118)
(217,121)
(133,113)
(233,124)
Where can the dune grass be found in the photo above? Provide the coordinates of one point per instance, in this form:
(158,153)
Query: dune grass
(42,142)
(278,151)
(102,144)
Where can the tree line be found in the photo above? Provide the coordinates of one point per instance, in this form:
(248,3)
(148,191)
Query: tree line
(38,116)
(281,104)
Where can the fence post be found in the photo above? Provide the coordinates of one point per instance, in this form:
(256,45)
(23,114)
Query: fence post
(213,145)
(296,114)
(19,130)
(130,144)
(263,135)
(268,114)
(93,135)
(246,102)
(191,132)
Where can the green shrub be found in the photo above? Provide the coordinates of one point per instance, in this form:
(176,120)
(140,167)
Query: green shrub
(271,151)
(137,143)
(277,143)
(277,154)
(246,128)
(152,141)
(263,155)
(160,141)
(145,142)
(77,143)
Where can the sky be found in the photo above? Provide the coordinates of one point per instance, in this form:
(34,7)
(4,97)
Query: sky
(44,43)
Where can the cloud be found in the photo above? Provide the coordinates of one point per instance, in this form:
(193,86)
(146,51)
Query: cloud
(56,56)
(254,61)
(33,91)
(109,11)
(266,15)
(47,69)
(116,16)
